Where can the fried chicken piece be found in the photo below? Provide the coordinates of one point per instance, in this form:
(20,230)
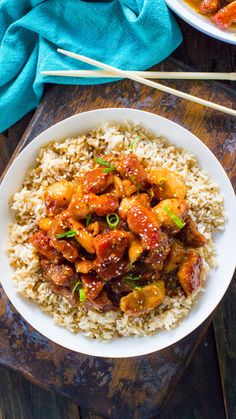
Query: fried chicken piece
(143,300)
(107,271)
(83,237)
(78,206)
(61,275)
(102,303)
(84,266)
(190,235)
(57,196)
(132,201)
(226,16)
(96,181)
(42,245)
(135,250)
(45,223)
(178,207)
(118,185)
(120,287)
(110,246)
(103,204)
(143,222)
(158,254)
(209,6)
(129,188)
(190,272)
(92,286)
(68,249)
(166,184)
(175,256)
(130,168)
(66,292)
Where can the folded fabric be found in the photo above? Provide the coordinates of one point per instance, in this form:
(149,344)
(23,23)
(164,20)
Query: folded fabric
(130,34)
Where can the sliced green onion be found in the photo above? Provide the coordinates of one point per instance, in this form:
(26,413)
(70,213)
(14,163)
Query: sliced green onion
(109,169)
(137,287)
(132,178)
(133,143)
(81,291)
(76,286)
(70,233)
(129,278)
(101,161)
(139,188)
(88,219)
(81,294)
(113,220)
(110,166)
(180,223)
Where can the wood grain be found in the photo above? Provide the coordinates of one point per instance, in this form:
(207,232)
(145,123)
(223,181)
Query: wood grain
(205,53)
(19,399)
(137,387)
(198,395)
(224,326)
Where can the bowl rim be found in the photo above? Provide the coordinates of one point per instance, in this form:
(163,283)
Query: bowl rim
(145,348)
(189,15)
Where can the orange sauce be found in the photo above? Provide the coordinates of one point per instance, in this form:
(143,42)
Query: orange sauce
(195,4)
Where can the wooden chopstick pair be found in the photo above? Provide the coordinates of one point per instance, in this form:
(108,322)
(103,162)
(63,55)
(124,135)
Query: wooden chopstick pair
(174,75)
(135,76)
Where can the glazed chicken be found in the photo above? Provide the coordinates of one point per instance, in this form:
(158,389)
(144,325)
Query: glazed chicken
(114,236)
(222,13)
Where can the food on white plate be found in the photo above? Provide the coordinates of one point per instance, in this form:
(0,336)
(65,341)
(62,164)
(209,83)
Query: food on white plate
(113,232)
(221,12)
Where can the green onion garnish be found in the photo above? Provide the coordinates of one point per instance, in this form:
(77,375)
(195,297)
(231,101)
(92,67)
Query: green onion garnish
(139,188)
(109,169)
(76,286)
(137,287)
(70,233)
(88,219)
(132,178)
(113,220)
(81,294)
(129,278)
(101,161)
(110,166)
(132,143)
(180,223)
(81,291)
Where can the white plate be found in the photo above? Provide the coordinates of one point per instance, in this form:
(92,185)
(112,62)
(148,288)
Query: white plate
(217,282)
(201,22)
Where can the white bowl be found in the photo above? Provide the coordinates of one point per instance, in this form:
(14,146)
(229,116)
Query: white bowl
(217,282)
(200,22)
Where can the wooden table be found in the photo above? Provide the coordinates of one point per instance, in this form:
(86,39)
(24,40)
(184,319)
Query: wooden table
(207,388)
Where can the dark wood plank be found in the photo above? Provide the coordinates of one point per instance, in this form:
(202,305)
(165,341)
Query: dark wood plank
(205,53)
(224,327)
(19,399)
(10,139)
(198,395)
(138,387)
(89,414)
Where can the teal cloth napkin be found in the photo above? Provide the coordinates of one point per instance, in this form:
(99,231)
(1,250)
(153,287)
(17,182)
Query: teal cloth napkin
(130,34)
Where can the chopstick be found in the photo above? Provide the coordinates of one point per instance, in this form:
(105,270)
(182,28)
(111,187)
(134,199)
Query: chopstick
(150,83)
(178,75)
